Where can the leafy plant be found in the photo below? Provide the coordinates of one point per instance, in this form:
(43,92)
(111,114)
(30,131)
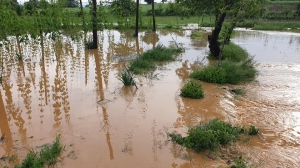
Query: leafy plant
(208,136)
(126,78)
(253,130)
(192,89)
(47,156)
(238,91)
(196,35)
(228,72)
(239,163)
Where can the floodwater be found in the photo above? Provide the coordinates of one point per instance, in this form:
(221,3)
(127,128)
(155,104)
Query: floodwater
(63,89)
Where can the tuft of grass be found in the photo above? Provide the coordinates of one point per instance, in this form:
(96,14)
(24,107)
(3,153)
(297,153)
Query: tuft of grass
(126,78)
(253,130)
(196,35)
(140,66)
(232,52)
(239,163)
(228,72)
(192,89)
(209,136)
(146,61)
(46,157)
(211,74)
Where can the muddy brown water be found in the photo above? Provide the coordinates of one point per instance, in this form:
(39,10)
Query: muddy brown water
(63,89)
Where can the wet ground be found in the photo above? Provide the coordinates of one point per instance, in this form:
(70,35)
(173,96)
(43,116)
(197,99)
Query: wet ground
(63,89)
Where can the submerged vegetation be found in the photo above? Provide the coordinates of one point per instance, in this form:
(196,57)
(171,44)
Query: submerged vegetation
(211,135)
(192,89)
(126,78)
(146,61)
(48,156)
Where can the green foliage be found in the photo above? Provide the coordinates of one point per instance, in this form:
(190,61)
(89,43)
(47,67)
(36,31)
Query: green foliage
(208,136)
(233,52)
(211,74)
(238,91)
(123,8)
(146,61)
(126,78)
(196,35)
(253,130)
(239,163)
(238,72)
(228,72)
(140,66)
(192,89)
(276,26)
(47,156)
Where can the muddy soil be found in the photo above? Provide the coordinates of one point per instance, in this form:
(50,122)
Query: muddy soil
(63,89)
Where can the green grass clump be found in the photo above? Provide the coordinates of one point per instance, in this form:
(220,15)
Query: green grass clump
(277,26)
(211,74)
(126,78)
(209,136)
(140,66)
(192,89)
(228,72)
(146,61)
(232,52)
(48,156)
(196,35)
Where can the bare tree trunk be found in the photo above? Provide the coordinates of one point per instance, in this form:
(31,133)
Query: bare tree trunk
(19,46)
(83,19)
(153,17)
(95,36)
(137,19)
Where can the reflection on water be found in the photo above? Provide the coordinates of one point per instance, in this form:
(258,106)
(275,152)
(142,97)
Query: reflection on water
(61,88)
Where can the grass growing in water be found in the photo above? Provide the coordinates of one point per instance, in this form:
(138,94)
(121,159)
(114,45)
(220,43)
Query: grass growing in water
(209,136)
(232,52)
(228,72)
(126,78)
(192,89)
(196,35)
(146,61)
(48,156)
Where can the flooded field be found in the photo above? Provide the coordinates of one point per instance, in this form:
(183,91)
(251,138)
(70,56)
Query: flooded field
(64,89)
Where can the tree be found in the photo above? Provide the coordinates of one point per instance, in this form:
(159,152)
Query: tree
(298,9)
(153,17)
(94,20)
(136,34)
(163,1)
(123,8)
(221,9)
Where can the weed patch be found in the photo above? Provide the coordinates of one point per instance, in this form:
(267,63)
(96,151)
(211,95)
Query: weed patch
(46,157)
(147,60)
(126,78)
(192,89)
(196,35)
(228,72)
(209,136)
(232,52)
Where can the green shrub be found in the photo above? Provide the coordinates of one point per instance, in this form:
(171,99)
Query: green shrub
(192,89)
(211,74)
(208,136)
(126,78)
(228,72)
(140,66)
(253,130)
(238,72)
(232,52)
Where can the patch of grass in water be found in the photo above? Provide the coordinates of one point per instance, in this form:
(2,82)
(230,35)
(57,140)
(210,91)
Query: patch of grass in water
(228,72)
(126,78)
(196,35)
(146,62)
(209,136)
(48,156)
(192,89)
(232,52)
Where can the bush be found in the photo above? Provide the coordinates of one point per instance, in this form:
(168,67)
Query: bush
(228,72)
(232,52)
(211,74)
(140,66)
(196,35)
(209,136)
(192,89)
